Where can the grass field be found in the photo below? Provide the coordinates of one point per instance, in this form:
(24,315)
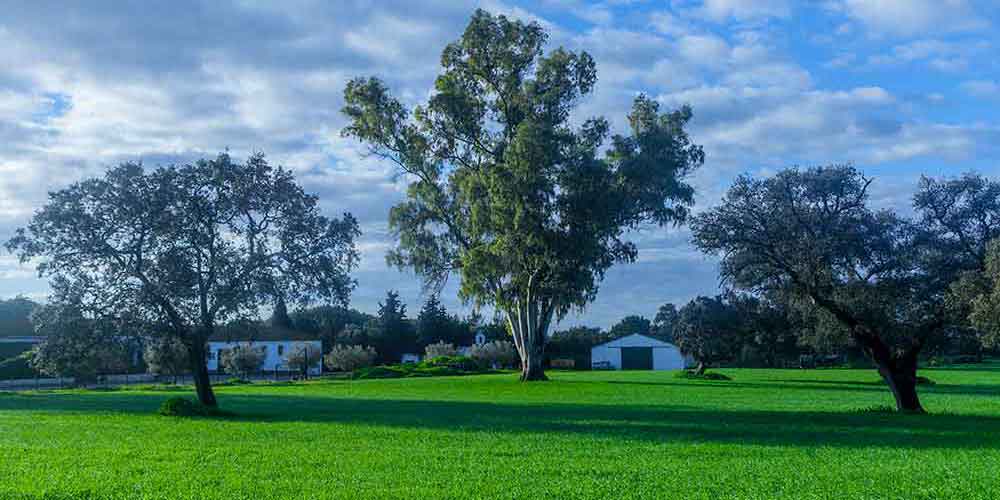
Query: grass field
(766,434)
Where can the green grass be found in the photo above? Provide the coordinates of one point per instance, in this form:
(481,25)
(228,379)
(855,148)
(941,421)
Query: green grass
(765,434)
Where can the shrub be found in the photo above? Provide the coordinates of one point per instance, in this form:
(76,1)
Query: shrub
(370,372)
(349,358)
(167,356)
(440,349)
(925,381)
(303,356)
(462,363)
(182,407)
(496,354)
(242,359)
(701,376)
(237,381)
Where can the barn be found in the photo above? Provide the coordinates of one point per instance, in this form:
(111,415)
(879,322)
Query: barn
(637,352)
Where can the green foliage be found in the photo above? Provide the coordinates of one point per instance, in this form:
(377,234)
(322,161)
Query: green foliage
(435,367)
(440,349)
(527,209)
(15,359)
(495,354)
(77,346)
(190,247)
(244,359)
(350,357)
(708,329)
(630,325)
(303,356)
(390,332)
(166,356)
(15,317)
(178,406)
(685,374)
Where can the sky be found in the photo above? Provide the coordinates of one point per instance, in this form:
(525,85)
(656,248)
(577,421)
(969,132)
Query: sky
(901,88)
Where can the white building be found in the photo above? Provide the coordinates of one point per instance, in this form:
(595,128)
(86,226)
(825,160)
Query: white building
(274,350)
(637,352)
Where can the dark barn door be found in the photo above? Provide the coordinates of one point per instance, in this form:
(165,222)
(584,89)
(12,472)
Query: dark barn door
(637,358)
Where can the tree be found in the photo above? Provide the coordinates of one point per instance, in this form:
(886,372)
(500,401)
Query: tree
(809,234)
(242,359)
(166,356)
(630,325)
(302,357)
(576,342)
(664,322)
(708,329)
(15,317)
(75,345)
(434,325)
(350,357)
(390,332)
(527,209)
(191,246)
(960,218)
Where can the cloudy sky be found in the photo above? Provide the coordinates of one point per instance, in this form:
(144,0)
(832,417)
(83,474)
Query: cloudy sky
(900,87)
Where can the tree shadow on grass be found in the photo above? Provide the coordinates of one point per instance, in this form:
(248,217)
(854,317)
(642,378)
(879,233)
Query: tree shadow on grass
(660,424)
(991,390)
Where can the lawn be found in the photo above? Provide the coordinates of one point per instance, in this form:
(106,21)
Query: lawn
(765,434)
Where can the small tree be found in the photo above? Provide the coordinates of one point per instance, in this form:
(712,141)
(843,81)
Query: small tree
(167,356)
(242,360)
(441,348)
(708,329)
(350,357)
(497,354)
(302,357)
(529,210)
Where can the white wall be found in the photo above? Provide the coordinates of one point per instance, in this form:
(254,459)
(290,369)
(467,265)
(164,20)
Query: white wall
(602,354)
(665,356)
(272,360)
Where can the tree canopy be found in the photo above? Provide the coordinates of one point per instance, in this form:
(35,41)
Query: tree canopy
(526,207)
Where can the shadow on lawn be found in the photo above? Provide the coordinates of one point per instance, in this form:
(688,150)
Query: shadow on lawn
(631,422)
(992,390)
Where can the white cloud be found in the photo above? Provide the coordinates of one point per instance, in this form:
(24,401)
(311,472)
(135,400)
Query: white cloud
(910,17)
(743,10)
(981,88)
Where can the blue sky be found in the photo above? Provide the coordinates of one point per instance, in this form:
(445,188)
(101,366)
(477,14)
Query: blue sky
(899,87)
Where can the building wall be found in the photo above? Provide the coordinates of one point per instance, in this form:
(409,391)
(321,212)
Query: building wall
(274,353)
(665,356)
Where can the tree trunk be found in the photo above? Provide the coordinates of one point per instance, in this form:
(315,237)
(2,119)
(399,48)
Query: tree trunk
(529,325)
(199,372)
(899,371)
(700,369)
(531,364)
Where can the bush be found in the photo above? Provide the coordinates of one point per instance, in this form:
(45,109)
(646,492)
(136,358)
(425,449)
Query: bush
(183,407)
(301,357)
(701,376)
(925,381)
(462,363)
(237,381)
(371,372)
(350,358)
(242,359)
(496,354)
(440,349)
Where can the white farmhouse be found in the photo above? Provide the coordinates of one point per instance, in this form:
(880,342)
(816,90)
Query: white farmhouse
(637,352)
(274,350)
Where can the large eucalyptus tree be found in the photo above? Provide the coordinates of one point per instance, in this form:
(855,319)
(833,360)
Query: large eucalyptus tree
(189,247)
(526,207)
